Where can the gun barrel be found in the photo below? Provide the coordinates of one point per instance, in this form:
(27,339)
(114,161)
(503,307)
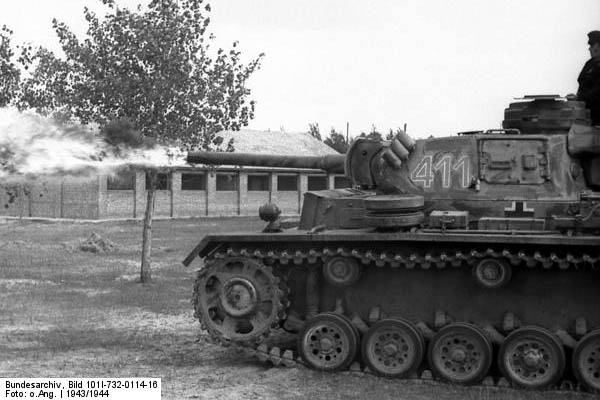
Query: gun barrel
(333,163)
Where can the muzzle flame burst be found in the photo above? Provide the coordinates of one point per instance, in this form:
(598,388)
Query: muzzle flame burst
(32,146)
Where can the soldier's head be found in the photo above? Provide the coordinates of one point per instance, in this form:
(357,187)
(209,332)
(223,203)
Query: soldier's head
(594,42)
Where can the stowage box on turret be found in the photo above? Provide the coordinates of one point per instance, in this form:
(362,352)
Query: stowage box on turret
(468,256)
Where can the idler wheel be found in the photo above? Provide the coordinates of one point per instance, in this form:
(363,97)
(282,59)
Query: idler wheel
(492,273)
(532,357)
(328,342)
(393,347)
(460,353)
(586,361)
(341,271)
(238,299)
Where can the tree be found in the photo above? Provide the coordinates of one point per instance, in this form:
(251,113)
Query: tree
(9,72)
(313,130)
(336,141)
(10,76)
(374,134)
(155,67)
(45,89)
(122,132)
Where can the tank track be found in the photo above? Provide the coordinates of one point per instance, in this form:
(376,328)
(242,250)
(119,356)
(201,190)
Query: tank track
(426,261)
(275,346)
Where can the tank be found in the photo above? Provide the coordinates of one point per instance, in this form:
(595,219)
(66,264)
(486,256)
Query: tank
(469,258)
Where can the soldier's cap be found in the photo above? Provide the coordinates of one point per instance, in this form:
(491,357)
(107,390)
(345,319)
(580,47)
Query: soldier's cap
(593,37)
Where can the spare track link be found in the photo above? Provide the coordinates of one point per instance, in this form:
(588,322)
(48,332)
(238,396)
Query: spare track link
(269,352)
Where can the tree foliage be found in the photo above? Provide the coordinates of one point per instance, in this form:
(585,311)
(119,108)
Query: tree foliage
(313,130)
(122,132)
(155,67)
(44,88)
(10,77)
(9,72)
(374,134)
(337,141)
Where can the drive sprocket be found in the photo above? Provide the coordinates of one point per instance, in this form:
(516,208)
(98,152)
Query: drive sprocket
(239,300)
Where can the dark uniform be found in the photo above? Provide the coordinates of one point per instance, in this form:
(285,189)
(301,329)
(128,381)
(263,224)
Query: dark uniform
(589,82)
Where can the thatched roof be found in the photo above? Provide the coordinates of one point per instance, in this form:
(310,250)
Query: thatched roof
(276,142)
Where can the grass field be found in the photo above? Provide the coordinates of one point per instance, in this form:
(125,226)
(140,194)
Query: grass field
(69,313)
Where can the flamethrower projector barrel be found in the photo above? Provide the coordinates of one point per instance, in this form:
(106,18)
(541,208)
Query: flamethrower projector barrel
(333,163)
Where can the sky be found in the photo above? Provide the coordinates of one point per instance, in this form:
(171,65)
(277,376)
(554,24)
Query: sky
(438,66)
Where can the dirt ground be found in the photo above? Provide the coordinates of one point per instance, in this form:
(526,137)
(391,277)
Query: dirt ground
(65,312)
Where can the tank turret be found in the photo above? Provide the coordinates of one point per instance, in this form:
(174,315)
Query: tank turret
(536,167)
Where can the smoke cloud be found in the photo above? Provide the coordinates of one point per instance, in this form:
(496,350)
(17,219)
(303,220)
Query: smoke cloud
(32,146)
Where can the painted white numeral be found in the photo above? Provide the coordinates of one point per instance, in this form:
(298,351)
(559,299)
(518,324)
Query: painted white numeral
(425,170)
(463,164)
(422,172)
(444,165)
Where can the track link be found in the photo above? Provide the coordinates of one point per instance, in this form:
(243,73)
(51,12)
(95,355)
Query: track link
(416,260)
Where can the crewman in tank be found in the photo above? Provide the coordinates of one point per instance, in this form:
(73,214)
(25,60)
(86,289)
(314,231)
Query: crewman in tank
(589,79)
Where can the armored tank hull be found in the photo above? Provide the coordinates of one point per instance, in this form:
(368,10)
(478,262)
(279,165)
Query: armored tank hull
(471,259)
